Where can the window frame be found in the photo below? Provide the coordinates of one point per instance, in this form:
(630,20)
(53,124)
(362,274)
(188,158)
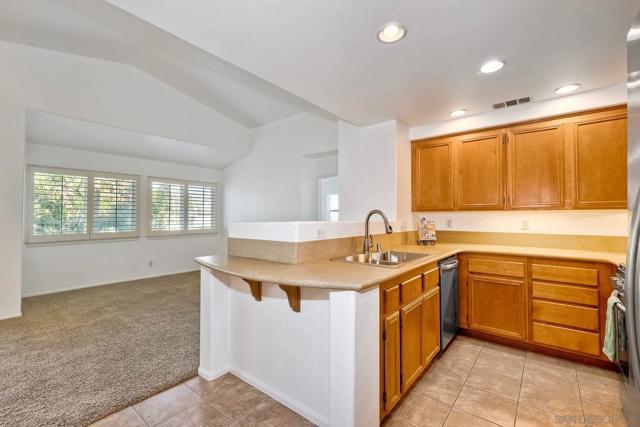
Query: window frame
(30,237)
(185,231)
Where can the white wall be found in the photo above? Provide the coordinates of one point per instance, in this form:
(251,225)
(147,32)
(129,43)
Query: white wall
(277,180)
(588,223)
(367,170)
(51,267)
(89,89)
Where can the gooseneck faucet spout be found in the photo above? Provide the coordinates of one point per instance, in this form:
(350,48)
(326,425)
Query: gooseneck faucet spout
(368,241)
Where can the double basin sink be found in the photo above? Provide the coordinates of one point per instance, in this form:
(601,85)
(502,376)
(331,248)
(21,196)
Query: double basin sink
(382,258)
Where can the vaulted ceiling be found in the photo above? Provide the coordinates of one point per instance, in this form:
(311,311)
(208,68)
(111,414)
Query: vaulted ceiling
(95,28)
(326,51)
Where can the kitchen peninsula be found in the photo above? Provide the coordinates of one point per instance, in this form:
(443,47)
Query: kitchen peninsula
(306,330)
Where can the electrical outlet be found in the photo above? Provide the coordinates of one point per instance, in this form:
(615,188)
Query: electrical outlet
(449,223)
(321,233)
(525,224)
(150,263)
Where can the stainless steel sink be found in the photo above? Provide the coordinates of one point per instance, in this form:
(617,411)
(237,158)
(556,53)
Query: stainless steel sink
(382,258)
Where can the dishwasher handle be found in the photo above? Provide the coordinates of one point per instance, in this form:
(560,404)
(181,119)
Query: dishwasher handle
(449,266)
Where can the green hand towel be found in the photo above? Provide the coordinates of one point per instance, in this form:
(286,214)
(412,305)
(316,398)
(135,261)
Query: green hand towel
(609,348)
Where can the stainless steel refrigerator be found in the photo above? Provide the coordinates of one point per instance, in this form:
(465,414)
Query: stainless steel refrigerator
(631,294)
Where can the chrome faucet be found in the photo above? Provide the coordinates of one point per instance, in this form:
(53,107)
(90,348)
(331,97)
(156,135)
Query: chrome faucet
(368,240)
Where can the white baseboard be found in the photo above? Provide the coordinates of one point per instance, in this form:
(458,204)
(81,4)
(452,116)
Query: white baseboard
(11,316)
(93,285)
(278,396)
(210,376)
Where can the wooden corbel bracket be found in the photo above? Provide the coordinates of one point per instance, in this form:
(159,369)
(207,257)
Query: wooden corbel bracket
(256,289)
(293,295)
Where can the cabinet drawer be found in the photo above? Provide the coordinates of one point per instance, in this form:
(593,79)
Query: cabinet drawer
(391,299)
(495,267)
(566,314)
(431,279)
(566,338)
(565,274)
(411,289)
(565,293)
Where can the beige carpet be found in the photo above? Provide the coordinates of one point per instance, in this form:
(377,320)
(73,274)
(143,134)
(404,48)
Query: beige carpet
(77,356)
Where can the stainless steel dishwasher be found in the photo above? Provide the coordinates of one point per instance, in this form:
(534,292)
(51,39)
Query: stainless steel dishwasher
(448,300)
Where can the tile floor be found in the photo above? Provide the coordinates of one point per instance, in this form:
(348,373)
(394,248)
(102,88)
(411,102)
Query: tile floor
(225,402)
(474,384)
(481,384)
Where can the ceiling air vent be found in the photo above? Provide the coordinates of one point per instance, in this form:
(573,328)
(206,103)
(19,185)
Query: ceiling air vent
(511,102)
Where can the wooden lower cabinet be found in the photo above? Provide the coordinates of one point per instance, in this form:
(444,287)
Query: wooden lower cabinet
(430,326)
(497,306)
(391,355)
(410,332)
(411,339)
(548,303)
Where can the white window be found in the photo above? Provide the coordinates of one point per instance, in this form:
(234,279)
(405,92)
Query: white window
(65,204)
(181,207)
(328,206)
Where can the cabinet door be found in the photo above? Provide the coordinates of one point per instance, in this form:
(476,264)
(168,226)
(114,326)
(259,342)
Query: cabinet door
(430,326)
(392,388)
(432,176)
(411,332)
(600,161)
(535,166)
(480,171)
(497,306)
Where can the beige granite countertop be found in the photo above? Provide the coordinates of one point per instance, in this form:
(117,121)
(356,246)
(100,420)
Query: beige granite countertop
(346,276)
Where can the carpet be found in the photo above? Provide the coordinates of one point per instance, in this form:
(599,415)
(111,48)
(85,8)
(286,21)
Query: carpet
(75,357)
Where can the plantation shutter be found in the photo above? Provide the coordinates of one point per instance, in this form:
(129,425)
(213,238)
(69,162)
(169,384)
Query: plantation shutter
(59,204)
(202,212)
(114,205)
(167,206)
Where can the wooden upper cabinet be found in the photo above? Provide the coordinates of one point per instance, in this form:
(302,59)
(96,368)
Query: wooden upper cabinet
(480,171)
(600,160)
(432,176)
(535,166)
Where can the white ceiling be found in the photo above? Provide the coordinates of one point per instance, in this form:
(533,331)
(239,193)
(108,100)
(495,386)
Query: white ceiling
(326,51)
(51,129)
(98,29)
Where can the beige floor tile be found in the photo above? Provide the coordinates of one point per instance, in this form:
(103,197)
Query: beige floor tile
(488,406)
(272,414)
(488,380)
(511,366)
(439,387)
(233,397)
(599,372)
(202,386)
(531,416)
(537,395)
(457,371)
(390,421)
(469,341)
(597,415)
(202,414)
(558,379)
(462,351)
(552,362)
(601,387)
(421,411)
(462,419)
(125,418)
(502,350)
(166,404)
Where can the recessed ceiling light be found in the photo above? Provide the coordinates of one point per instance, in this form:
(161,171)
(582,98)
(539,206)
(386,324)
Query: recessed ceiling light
(567,88)
(491,66)
(458,113)
(392,32)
